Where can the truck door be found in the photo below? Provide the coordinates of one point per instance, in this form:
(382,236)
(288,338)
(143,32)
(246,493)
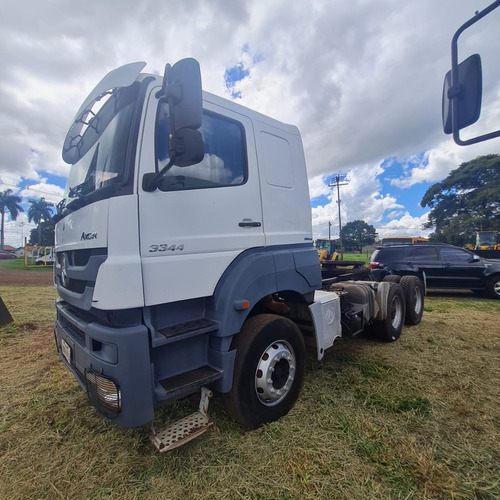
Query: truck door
(202,216)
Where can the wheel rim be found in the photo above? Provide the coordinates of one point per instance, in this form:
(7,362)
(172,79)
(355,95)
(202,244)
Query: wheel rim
(496,287)
(275,373)
(417,300)
(396,312)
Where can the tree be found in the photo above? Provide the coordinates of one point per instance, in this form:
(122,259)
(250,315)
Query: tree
(8,203)
(38,212)
(43,234)
(357,234)
(468,200)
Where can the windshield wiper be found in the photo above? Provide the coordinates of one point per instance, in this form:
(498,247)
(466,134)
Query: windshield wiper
(88,185)
(81,190)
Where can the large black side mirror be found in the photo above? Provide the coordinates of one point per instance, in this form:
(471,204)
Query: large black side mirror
(182,90)
(462,90)
(466,93)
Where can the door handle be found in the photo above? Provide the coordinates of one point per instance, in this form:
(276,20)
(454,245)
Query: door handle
(249,223)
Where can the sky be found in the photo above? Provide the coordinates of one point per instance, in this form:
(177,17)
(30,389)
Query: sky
(361,79)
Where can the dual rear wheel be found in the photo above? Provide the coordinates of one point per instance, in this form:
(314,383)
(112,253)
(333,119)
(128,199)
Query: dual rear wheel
(413,291)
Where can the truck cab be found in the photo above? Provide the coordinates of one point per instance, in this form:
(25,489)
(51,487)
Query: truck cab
(155,282)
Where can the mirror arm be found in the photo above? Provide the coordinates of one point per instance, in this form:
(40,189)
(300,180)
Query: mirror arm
(150,181)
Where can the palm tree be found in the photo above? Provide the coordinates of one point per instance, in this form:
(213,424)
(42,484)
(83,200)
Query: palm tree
(9,203)
(39,211)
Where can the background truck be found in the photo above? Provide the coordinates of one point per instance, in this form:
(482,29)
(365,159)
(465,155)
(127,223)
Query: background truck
(403,240)
(326,250)
(45,257)
(185,260)
(487,244)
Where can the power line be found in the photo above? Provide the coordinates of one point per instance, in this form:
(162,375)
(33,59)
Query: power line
(338,184)
(30,189)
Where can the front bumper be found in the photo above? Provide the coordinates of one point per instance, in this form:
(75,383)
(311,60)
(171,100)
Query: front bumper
(95,353)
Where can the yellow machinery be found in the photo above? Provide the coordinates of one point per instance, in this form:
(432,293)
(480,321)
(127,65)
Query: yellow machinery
(326,250)
(487,244)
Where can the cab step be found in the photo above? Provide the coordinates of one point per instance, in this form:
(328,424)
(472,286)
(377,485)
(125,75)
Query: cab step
(185,429)
(182,331)
(198,326)
(186,383)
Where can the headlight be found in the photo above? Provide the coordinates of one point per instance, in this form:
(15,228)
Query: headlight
(103,393)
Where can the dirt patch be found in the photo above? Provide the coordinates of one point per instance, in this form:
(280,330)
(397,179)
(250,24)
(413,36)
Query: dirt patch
(25,277)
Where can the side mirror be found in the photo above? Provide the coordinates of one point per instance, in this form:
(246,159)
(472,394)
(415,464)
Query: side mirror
(463,88)
(182,90)
(463,97)
(189,149)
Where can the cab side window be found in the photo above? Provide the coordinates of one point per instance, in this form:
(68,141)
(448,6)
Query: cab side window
(224,163)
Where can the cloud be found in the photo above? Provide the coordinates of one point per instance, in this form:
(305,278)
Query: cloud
(363,83)
(405,225)
(438,162)
(360,198)
(318,186)
(362,80)
(16,231)
(52,193)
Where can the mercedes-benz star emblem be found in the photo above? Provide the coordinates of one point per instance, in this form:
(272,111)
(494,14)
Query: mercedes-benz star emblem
(64,271)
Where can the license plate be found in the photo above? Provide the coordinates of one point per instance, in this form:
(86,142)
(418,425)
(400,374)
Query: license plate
(66,350)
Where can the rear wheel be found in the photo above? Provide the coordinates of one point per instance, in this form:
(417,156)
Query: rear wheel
(392,278)
(493,287)
(268,370)
(389,329)
(413,290)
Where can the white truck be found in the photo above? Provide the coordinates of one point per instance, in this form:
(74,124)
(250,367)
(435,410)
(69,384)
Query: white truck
(45,257)
(185,260)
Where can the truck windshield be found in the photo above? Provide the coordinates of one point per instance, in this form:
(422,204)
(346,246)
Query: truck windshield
(102,147)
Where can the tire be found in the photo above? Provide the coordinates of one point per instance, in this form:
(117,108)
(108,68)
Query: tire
(413,290)
(266,345)
(392,278)
(389,329)
(493,287)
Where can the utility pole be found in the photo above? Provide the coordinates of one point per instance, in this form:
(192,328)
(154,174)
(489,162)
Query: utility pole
(338,184)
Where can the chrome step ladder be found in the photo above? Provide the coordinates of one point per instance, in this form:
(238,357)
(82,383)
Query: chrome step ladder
(185,429)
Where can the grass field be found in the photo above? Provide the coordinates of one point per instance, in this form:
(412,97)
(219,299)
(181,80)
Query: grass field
(363,257)
(18,264)
(419,418)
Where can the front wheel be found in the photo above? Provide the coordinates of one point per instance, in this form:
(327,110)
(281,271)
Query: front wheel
(493,287)
(268,370)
